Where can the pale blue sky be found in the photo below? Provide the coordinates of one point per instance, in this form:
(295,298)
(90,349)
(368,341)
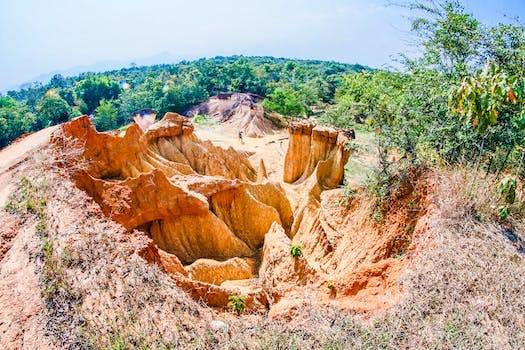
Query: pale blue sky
(38,37)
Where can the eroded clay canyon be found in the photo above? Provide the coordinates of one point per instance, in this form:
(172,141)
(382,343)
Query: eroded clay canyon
(221,226)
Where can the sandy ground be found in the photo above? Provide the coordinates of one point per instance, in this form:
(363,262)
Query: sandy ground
(16,153)
(270,148)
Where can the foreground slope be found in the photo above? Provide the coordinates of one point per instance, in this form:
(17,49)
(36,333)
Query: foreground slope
(78,273)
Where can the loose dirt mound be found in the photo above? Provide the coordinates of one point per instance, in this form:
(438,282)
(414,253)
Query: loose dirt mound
(219,227)
(240,111)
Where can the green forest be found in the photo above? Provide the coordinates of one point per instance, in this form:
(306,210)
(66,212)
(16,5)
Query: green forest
(291,88)
(460,100)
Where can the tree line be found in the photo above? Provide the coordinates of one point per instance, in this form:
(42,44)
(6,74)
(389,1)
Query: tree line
(290,87)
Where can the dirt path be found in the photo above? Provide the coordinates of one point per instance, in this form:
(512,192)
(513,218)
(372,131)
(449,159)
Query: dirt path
(16,153)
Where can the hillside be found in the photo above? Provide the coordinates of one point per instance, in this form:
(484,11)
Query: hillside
(114,261)
(271,203)
(113,96)
(238,111)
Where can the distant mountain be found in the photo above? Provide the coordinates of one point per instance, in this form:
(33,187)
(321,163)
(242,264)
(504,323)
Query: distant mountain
(163,57)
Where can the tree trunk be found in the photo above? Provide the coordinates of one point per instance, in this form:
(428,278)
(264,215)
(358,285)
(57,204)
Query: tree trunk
(504,163)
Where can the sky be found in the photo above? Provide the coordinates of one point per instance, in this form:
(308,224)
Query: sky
(38,37)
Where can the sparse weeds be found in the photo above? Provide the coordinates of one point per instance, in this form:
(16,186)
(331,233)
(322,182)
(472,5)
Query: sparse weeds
(330,285)
(134,305)
(507,194)
(347,195)
(200,119)
(487,199)
(117,343)
(378,185)
(237,303)
(399,256)
(28,199)
(54,281)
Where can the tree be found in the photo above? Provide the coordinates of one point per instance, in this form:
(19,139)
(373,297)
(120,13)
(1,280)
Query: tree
(52,109)
(58,82)
(147,95)
(106,116)
(494,103)
(15,119)
(506,48)
(96,88)
(181,95)
(286,101)
(176,87)
(373,97)
(7,102)
(451,37)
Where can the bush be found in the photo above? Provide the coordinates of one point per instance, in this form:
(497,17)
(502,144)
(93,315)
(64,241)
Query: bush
(507,194)
(237,303)
(200,119)
(296,251)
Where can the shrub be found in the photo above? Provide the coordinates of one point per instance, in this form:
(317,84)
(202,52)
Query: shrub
(237,303)
(296,251)
(200,119)
(507,190)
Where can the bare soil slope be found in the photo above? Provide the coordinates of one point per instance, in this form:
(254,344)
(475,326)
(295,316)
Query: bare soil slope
(241,112)
(221,228)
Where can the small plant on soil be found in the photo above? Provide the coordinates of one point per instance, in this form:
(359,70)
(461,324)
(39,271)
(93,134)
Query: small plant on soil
(347,195)
(237,303)
(200,119)
(296,251)
(507,195)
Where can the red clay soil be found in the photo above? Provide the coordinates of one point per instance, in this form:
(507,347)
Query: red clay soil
(219,227)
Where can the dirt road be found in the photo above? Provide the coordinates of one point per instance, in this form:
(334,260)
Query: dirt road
(16,153)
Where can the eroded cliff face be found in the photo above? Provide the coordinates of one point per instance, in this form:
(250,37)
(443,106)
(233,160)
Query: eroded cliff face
(242,112)
(316,149)
(219,227)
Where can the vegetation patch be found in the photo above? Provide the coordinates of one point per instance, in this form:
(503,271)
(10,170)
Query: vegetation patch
(296,251)
(237,303)
(202,120)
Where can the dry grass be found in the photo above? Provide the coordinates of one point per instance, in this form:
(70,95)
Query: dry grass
(125,303)
(464,290)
